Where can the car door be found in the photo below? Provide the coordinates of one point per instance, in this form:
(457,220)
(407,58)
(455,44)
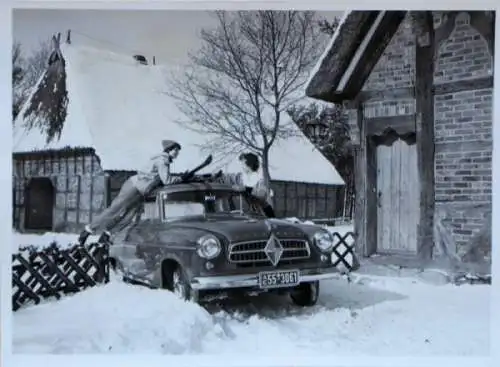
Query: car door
(129,247)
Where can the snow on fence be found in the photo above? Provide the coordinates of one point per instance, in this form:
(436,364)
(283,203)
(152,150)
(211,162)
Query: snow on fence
(50,272)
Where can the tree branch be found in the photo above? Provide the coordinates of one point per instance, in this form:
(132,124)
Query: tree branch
(249,69)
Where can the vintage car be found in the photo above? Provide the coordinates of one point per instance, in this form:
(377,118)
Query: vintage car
(204,240)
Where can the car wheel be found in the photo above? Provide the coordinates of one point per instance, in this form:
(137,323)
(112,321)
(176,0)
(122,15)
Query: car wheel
(305,294)
(175,281)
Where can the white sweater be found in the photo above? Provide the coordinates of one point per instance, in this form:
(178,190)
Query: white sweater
(255,180)
(157,169)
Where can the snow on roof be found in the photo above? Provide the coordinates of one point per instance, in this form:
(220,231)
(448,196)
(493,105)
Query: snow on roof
(119,107)
(328,48)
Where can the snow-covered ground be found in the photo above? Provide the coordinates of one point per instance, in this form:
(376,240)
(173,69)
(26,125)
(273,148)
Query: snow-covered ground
(371,316)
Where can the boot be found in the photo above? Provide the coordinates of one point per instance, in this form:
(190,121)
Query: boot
(84,235)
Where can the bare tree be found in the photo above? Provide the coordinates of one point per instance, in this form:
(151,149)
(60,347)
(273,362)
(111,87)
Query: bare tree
(249,70)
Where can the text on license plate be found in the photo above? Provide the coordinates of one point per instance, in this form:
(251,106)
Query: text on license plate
(276,279)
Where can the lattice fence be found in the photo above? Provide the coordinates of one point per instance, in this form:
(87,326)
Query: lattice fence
(38,274)
(343,256)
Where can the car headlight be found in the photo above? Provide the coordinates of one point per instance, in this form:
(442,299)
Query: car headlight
(208,247)
(324,240)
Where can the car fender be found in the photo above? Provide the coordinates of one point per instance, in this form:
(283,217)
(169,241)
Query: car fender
(181,260)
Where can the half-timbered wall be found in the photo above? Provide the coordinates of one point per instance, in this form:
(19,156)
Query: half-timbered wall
(291,199)
(82,190)
(306,200)
(78,181)
(462,141)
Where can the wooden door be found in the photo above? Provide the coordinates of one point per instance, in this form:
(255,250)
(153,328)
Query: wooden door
(398,197)
(39,204)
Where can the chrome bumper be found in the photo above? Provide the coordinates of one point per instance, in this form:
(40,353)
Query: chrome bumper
(252,280)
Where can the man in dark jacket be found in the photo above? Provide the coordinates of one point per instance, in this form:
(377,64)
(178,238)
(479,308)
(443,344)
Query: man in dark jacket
(156,172)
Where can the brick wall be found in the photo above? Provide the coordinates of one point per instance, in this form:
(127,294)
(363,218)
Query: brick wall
(463,134)
(79,188)
(464,55)
(463,120)
(396,67)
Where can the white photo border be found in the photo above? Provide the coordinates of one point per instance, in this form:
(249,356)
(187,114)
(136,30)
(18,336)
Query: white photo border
(9,360)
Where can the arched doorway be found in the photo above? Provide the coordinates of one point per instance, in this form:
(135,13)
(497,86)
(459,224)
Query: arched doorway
(39,204)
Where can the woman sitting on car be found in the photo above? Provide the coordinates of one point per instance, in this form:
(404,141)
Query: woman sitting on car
(251,178)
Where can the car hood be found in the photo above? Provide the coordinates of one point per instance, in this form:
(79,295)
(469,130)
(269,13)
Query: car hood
(242,230)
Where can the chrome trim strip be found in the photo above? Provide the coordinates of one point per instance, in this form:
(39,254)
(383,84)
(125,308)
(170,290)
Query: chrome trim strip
(251,280)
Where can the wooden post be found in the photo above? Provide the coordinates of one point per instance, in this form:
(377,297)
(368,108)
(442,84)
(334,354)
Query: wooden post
(365,215)
(371,201)
(424,79)
(68,36)
(360,175)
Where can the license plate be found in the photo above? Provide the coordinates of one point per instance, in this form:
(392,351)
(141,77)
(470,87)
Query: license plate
(277,279)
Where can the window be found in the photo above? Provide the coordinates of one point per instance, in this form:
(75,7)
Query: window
(150,210)
(193,203)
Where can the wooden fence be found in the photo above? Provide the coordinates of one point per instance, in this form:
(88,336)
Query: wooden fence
(38,274)
(51,272)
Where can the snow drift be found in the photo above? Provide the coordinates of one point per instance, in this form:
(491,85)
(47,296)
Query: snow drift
(372,316)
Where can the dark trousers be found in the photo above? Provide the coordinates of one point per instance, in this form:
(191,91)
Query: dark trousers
(122,207)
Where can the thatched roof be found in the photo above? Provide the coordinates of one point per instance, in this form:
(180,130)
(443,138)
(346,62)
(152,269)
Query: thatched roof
(354,49)
(94,98)
(48,98)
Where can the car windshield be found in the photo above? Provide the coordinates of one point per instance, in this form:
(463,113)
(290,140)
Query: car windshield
(200,202)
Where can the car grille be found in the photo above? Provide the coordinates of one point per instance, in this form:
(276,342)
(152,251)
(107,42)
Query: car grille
(250,254)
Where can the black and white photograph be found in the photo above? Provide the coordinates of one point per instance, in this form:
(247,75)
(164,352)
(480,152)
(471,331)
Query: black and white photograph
(254,182)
